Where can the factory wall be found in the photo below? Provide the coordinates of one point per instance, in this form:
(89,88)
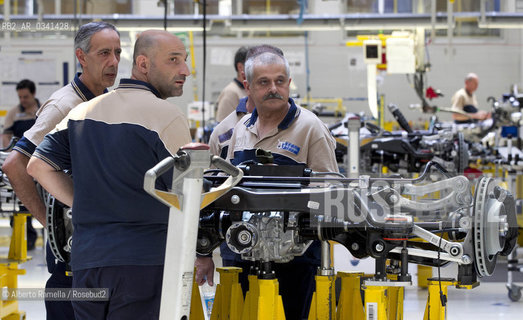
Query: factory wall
(336,71)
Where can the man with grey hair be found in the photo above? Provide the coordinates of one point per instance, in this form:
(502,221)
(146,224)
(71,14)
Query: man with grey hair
(97,48)
(294,135)
(464,100)
(219,140)
(219,145)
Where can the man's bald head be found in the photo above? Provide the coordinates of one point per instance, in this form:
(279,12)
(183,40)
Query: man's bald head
(147,43)
(471,82)
(160,60)
(471,76)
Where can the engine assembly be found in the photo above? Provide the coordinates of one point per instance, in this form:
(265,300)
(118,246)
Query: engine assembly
(275,218)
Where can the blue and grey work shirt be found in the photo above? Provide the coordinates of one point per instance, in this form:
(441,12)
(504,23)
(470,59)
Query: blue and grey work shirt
(109,143)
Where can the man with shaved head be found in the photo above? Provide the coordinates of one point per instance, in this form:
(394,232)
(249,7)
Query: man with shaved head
(109,143)
(464,101)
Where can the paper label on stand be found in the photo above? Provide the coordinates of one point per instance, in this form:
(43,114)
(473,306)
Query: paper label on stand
(186,289)
(372,311)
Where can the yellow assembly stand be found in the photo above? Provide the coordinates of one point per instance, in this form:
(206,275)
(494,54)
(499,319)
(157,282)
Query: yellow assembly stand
(228,300)
(323,305)
(350,304)
(263,301)
(196,312)
(251,303)
(384,299)
(376,306)
(435,308)
(9,270)
(424,273)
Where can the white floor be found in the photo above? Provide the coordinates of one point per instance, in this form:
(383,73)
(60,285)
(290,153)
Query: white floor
(488,301)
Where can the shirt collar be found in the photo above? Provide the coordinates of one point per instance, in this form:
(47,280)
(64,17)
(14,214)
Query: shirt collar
(22,109)
(81,89)
(285,123)
(137,84)
(242,106)
(239,83)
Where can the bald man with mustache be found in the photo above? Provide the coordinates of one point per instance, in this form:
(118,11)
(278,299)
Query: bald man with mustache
(119,230)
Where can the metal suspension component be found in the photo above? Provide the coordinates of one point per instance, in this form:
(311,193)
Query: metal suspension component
(59,227)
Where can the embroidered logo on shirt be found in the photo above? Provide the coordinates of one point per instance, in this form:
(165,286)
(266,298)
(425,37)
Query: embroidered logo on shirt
(225,136)
(285,145)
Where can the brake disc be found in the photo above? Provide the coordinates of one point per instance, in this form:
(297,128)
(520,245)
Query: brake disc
(59,227)
(494,224)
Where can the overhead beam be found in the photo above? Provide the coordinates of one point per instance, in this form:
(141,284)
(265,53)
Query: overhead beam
(285,22)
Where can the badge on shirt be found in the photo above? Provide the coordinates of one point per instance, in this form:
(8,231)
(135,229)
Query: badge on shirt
(225,136)
(285,145)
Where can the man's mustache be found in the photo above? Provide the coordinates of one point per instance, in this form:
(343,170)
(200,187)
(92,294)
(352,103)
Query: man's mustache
(272,95)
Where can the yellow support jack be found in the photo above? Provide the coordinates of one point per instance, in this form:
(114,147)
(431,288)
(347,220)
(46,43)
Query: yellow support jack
(267,304)
(424,273)
(350,305)
(395,295)
(376,304)
(228,301)
(435,309)
(263,301)
(18,245)
(251,298)
(196,312)
(9,273)
(9,270)
(384,302)
(323,304)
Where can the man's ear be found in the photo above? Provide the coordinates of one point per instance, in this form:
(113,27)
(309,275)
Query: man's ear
(80,55)
(142,63)
(246,85)
(240,67)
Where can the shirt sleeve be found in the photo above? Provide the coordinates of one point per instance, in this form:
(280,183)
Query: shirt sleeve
(458,102)
(25,147)
(54,150)
(227,105)
(176,135)
(47,119)
(321,156)
(214,146)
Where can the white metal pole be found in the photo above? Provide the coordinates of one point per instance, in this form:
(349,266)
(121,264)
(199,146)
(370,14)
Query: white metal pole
(353,149)
(180,256)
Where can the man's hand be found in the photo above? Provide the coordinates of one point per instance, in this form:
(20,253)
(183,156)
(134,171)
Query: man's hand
(482,115)
(204,270)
